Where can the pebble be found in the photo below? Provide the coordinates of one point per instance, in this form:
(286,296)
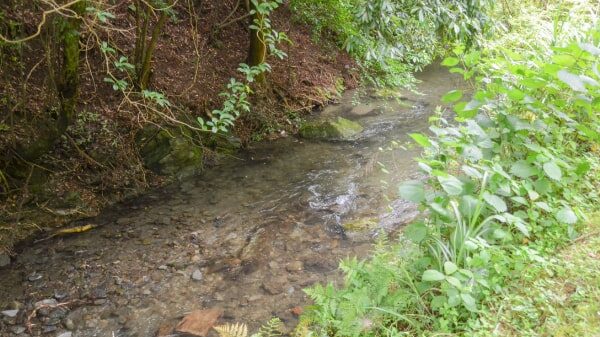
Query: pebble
(18,329)
(66,334)
(46,302)
(34,277)
(294,266)
(275,286)
(68,324)
(10,313)
(4,260)
(162,267)
(197,275)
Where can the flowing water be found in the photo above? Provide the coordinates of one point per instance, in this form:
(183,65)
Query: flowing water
(246,236)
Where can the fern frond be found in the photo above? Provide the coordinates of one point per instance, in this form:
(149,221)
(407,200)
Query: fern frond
(232,330)
(273,328)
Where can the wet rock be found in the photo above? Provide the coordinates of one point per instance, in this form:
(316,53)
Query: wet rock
(275,285)
(199,322)
(10,313)
(49,302)
(17,330)
(197,275)
(34,277)
(294,266)
(4,260)
(68,324)
(331,129)
(156,276)
(169,151)
(365,110)
(360,225)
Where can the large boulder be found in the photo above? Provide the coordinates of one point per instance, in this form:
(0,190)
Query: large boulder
(331,129)
(169,151)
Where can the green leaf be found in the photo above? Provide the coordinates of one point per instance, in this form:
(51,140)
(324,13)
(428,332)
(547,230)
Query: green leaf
(450,268)
(450,61)
(412,190)
(416,232)
(572,80)
(553,171)
(523,169)
(452,96)
(469,302)
(451,185)
(566,215)
(432,275)
(421,139)
(496,202)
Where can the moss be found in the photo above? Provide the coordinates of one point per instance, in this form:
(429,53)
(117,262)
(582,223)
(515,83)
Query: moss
(361,225)
(330,129)
(170,152)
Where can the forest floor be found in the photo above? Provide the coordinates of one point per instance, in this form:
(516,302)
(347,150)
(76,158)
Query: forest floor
(96,163)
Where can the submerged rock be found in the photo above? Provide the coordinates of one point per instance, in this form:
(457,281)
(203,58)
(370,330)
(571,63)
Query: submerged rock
(4,260)
(169,151)
(360,225)
(331,129)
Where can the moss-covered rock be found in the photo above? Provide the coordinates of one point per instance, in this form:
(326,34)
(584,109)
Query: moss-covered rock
(331,129)
(360,225)
(169,151)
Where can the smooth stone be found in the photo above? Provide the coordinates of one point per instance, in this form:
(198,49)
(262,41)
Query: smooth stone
(17,330)
(10,313)
(294,266)
(197,275)
(66,334)
(4,260)
(68,324)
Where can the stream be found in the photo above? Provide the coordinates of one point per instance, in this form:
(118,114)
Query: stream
(245,236)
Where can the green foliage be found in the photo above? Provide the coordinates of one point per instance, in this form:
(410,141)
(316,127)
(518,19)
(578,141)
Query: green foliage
(505,185)
(391,39)
(236,96)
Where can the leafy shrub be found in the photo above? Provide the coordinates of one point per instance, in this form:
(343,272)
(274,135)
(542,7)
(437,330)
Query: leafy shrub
(505,185)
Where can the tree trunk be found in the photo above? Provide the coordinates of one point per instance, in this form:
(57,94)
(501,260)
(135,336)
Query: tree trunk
(67,85)
(257,53)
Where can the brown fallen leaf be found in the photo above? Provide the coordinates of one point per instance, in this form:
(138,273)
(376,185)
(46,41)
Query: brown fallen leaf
(199,322)
(297,311)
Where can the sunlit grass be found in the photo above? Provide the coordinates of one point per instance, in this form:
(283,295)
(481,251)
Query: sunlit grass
(561,299)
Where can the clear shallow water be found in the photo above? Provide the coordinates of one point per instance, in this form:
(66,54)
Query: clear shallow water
(253,231)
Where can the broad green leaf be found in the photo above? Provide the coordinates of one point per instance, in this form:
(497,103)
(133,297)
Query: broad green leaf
(451,185)
(495,201)
(432,275)
(454,282)
(553,171)
(469,302)
(572,80)
(416,232)
(450,268)
(452,96)
(450,61)
(566,215)
(564,60)
(421,139)
(522,169)
(412,190)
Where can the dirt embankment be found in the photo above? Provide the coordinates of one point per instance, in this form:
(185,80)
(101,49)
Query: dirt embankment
(96,162)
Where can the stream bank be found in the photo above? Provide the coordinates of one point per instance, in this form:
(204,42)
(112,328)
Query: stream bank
(246,238)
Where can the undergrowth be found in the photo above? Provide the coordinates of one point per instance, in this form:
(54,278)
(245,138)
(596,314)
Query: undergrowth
(507,185)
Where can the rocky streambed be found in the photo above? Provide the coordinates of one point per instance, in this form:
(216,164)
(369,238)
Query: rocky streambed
(245,237)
